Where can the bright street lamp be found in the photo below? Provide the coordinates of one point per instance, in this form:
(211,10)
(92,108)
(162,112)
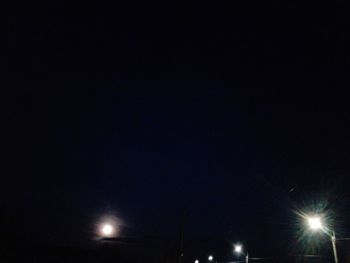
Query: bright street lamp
(196,261)
(315,224)
(238,249)
(210,258)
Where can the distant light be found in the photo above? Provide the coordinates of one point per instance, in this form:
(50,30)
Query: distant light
(196,261)
(107,230)
(108,226)
(238,249)
(210,258)
(314,223)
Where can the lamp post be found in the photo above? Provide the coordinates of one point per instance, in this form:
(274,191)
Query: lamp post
(315,224)
(334,246)
(238,249)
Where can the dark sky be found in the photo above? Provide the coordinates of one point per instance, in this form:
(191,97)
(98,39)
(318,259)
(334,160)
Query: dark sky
(148,110)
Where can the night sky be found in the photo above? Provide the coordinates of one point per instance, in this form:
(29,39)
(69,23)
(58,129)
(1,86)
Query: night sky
(237,115)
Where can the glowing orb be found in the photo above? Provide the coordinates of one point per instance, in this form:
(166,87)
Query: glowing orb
(210,258)
(314,223)
(107,230)
(238,248)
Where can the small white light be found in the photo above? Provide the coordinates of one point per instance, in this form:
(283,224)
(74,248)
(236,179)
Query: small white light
(315,223)
(196,261)
(238,249)
(210,258)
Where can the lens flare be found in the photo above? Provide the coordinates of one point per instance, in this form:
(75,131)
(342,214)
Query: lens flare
(314,223)
(107,230)
(238,249)
(108,226)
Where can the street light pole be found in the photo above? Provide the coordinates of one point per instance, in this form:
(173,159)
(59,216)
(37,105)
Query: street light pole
(238,250)
(315,223)
(333,239)
(182,228)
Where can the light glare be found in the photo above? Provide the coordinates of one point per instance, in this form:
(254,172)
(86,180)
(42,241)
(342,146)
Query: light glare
(238,249)
(107,230)
(315,223)
(210,258)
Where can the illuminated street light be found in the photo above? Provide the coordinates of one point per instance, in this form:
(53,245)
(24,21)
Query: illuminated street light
(238,249)
(315,224)
(196,261)
(210,258)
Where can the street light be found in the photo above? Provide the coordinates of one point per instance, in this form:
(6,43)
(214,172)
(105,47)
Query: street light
(315,224)
(210,258)
(196,261)
(238,249)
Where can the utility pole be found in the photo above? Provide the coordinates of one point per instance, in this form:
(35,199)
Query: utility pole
(182,229)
